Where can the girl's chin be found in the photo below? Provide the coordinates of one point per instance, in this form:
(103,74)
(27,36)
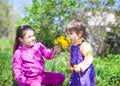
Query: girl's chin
(31,44)
(72,43)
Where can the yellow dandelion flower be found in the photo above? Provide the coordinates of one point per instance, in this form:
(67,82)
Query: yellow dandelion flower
(68,39)
(55,42)
(64,42)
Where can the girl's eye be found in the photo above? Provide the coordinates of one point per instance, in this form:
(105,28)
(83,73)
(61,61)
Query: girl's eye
(29,36)
(70,33)
(67,33)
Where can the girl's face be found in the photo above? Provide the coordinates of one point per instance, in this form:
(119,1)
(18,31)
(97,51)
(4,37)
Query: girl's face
(73,37)
(29,38)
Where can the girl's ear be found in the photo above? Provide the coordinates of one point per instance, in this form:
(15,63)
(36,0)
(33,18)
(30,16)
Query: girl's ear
(20,39)
(80,33)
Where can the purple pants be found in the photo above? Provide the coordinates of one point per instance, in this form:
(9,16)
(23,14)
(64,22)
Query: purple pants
(47,79)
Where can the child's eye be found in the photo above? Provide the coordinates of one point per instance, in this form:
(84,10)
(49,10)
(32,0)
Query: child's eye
(29,36)
(70,33)
(67,33)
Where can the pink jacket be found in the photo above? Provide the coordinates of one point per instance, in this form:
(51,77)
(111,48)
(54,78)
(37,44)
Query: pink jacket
(29,62)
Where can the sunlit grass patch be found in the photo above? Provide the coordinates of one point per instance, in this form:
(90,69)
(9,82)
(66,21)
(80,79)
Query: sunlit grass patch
(6,43)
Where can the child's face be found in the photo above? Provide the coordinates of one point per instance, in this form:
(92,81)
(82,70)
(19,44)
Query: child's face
(29,38)
(73,37)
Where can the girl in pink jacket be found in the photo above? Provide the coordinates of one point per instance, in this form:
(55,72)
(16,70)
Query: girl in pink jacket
(28,62)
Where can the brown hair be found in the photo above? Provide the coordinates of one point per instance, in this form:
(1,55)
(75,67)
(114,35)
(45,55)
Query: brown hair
(76,25)
(20,32)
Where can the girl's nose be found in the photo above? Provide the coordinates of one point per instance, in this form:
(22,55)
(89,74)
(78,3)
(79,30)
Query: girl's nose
(33,38)
(68,35)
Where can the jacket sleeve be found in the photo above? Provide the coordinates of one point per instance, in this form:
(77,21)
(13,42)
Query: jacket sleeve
(17,68)
(88,57)
(46,52)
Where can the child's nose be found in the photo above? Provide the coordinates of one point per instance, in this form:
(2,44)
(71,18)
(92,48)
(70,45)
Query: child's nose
(33,38)
(68,36)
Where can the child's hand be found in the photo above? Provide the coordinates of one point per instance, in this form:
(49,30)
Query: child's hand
(70,69)
(57,49)
(76,68)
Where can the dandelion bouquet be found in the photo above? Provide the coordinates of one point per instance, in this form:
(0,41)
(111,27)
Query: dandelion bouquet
(63,41)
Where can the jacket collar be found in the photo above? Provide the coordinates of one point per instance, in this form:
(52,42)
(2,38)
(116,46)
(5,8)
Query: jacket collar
(24,47)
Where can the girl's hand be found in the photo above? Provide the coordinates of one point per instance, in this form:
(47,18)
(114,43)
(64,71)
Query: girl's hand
(76,68)
(70,69)
(57,49)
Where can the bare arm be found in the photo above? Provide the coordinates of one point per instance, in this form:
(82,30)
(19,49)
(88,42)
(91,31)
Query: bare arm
(88,58)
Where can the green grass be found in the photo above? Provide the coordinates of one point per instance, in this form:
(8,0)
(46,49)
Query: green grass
(5,61)
(107,69)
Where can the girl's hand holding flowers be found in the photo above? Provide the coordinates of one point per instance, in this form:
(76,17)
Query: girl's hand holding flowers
(57,49)
(61,43)
(76,68)
(70,69)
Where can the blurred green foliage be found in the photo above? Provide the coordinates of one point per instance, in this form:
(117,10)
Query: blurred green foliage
(8,18)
